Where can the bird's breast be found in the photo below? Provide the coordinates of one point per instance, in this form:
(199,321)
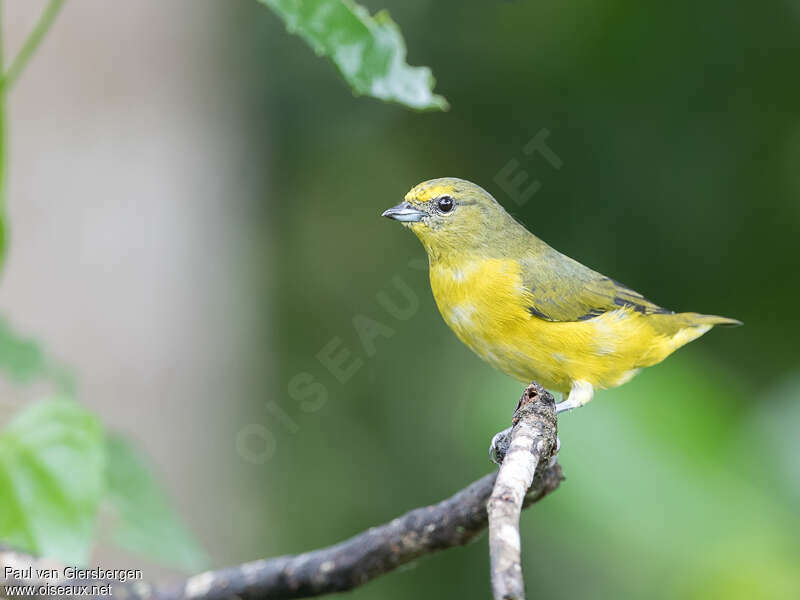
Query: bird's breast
(483,301)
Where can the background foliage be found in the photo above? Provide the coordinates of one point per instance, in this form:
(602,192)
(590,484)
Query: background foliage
(679,132)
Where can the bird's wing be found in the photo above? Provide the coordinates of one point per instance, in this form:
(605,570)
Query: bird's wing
(562,289)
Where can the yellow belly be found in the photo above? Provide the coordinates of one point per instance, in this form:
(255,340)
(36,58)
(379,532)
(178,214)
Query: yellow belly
(486,305)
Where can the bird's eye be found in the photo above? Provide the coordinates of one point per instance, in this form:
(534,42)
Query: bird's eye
(445,204)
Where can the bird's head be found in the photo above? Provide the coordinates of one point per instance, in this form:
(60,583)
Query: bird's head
(451,215)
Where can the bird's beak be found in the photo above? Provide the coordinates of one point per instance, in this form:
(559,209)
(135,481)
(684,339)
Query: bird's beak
(404,213)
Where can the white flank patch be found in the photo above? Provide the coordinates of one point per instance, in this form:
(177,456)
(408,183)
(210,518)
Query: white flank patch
(604,338)
(460,273)
(490,355)
(627,376)
(461,315)
(606,349)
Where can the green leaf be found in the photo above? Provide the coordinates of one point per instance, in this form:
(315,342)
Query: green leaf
(147,524)
(24,361)
(21,359)
(51,480)
(369,51)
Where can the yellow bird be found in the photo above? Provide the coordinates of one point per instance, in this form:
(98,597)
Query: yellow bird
(528,310)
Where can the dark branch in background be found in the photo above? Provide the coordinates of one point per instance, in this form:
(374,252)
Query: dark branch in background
(530,446)
(379,550)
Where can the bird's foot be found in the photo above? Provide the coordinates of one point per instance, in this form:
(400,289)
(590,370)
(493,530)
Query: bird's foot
(499,446)
(554,459)
(566,406)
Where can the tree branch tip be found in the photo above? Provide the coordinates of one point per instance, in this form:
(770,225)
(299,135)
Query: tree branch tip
(528,470)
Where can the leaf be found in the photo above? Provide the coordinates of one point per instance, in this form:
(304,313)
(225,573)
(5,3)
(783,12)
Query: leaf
(24,361)
(51,480)
(147,524)
(369,51)
(20,358)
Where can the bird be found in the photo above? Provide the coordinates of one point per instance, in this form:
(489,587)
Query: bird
(527,309)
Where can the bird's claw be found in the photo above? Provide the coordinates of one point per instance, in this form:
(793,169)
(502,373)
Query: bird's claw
(554,459)
(565,406)
(499,446)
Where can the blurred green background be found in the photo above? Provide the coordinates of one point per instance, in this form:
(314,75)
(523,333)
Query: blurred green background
(679,129)
(678,125)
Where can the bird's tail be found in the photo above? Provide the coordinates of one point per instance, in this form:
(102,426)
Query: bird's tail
(679,329)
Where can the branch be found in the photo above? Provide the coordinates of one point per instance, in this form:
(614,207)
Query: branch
(353,562)
(530,444)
